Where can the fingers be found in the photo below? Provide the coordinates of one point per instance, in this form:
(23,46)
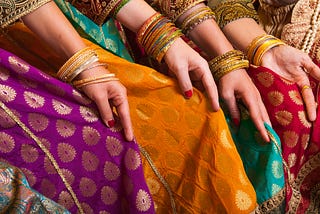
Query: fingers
(184,81)
(308,98)
(211,89)
(310,68)
(124,114)
(105,111)
(231,103)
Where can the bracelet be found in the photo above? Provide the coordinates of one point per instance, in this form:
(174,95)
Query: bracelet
(103,78)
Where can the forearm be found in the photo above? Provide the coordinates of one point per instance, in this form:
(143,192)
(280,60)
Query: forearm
(134,14)
(242,31)
(50,24)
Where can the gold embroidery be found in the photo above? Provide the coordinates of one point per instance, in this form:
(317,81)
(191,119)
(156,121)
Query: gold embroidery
(30,176)
(5,120)
(33,100)
(7,142)
(87,208)
(18,65)
(144,111)
(87,187)
(266,79)
(68,175)
(90,135)
(295,97)
(11,10)
(284,118)
(242,178)
(290,138)
(243,200)
(143,201)
(275,98)
(66,152)
(111,171)
(232,10)
(277,171)
(113,146)
(28,153)
(7,93)
(90,161)
(305,140)
(292,159)
(271,204)
(65,200)
(48,166)
(65,128)
(153,185)
(108,195)
(303,119)
(48,188)
(132,159)
(38,122)
(61,108)
(88,114)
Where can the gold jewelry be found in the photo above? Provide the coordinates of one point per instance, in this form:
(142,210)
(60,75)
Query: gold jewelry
(305,87)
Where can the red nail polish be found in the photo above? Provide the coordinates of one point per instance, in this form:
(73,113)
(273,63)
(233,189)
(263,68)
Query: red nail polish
(111,123)
(236,121)
(188,94)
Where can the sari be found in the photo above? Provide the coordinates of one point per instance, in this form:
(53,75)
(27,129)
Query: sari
(283,98)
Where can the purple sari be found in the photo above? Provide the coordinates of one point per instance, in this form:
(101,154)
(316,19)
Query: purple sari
(54,135)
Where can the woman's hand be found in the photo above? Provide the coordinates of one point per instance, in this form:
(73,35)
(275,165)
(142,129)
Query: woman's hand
(294,65)
(107,95)
(237,85)
(187,65)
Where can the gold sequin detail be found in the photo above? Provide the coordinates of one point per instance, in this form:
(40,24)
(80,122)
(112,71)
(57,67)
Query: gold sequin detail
(88,114)
(284,118)
(108,195)
(295,97)
(29,153)
(61,108)
(303,119)
(275,98)
(7,93)
(65,200)
(132,159)
(290,138)
(66,152)
(113,146)
(90,135)
(65,128)
(18,65)
(143,201)
(243,200)
(111,171)
(38,122)
(266,79)
(90,161)
(7,142)
(48,188)
(33,100)
(87,187)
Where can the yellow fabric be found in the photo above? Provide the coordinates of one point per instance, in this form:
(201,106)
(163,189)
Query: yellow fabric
(190,145)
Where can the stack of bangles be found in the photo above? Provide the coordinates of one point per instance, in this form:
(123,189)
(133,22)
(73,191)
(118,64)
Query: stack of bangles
(196,17)
(84,59)
(259,46)
(229,61)
(156,36)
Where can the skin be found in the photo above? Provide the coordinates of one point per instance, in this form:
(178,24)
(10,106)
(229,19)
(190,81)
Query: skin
(182,60)
(284,60)
(230,89)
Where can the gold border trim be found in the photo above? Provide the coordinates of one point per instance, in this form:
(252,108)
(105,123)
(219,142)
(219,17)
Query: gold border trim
(46,151)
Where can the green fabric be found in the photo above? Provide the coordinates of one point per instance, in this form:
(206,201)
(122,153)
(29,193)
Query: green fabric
(107,36)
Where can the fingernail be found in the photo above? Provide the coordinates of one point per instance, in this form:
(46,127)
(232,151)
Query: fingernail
(111,123)
(188,94)
(236,121)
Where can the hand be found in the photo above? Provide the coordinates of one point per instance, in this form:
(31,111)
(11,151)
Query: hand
(244,89)
(106,95)
(293,65)
(187,65)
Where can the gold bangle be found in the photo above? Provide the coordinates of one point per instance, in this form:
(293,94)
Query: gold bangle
(87,82)
(217,75)
(77,82)
(267,45)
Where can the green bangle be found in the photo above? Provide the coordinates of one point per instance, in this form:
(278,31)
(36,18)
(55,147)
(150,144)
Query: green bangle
(118,7)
